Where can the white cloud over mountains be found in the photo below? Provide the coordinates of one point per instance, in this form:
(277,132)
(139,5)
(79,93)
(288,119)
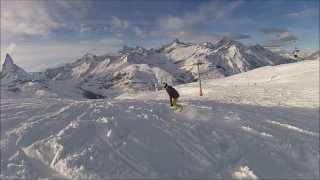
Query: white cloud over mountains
(309,12)
(277,37)
(11,47)
(206,13)
(117,23)
(26,18)
(237,36)
(39,18)
(173,23)
(183,27)
(272,30)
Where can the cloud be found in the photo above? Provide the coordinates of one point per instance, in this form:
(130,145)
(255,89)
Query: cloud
(138,31)
(11,47)
(7,49)
(278,37)
(198,36)
(26,18)
(272,30)
(243,20)
(66,9)
(193,36)
(117,23)
(304,13)
(40,18)
(119,26)
(286,36)
(183,27)
(111,41)
(84,28)
(213,11)
(280,40)
(172,23)
(205,13)
(237,36)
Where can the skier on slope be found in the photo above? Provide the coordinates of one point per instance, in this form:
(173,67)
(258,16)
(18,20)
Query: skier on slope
(173,95)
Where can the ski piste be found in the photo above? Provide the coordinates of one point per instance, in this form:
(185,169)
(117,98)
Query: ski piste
(137,136)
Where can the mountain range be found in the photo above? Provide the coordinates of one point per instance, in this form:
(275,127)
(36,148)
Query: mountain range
(138,69)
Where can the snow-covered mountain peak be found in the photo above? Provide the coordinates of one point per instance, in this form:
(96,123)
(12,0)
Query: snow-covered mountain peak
(258,47)
(10,67)
(176,40)
(133,50)
(134,55)
(176,43)
(8,63)
(12,72)
(89,56)
(208,45)
(8,59)
(227,42)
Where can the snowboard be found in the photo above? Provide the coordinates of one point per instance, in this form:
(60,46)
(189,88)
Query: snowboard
(177,109)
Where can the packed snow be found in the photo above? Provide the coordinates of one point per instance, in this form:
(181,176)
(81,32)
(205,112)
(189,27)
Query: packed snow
(263,124)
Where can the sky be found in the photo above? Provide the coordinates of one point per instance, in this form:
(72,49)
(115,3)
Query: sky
(40,33)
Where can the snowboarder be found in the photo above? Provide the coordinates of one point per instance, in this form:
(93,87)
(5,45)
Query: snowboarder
(173,95)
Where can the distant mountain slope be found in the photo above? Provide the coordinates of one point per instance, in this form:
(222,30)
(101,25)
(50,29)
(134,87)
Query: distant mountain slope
(224,58)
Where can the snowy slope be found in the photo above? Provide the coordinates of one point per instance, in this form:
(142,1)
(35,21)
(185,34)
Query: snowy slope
(303,54)
(314,56)
(124,139)
(293,85)
(141,137)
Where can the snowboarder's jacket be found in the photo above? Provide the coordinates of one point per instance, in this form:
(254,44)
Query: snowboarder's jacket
(172,92)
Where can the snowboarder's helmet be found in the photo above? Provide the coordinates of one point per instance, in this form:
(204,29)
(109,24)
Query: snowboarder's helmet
(165,84)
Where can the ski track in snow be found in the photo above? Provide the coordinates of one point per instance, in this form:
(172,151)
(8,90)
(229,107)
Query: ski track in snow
(294,128)
(146,139)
